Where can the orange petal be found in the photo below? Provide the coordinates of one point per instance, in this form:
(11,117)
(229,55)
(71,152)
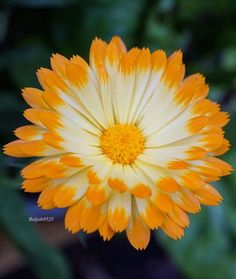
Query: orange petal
(174,71)
(119,43)
(138,234)
(208,202)
(195,153)
(54,169)
(93,177)
(163,202)
(106,231)
(224,167)
(97,194)
(212,142)
(14,149)
(188,202)
(97,53)
(185,92)
(29,132)
(117,185)
(35,185)
(53,99)
(113,54)
(178,165)
(71,160)
(205,107)
(201,88)
(50,119)
(143,60)
(179,217)
(77,75)
(223,148)
(33,170)
(38,148)
(59,63)
(159,60)
(118,219)
(172,229)
(220,119)
(153,217)
(126,65)
(45,200)
(73,216)
(210,178)
(192,181)
(49,80)
(64,196)
(34,97)
(141,191)
(91,218)
(208,169)
(53,139)
(76,59)
(196,124)
(168,184)
(33,115)
(209,193)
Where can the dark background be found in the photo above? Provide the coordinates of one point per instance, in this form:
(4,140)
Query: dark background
(30,31)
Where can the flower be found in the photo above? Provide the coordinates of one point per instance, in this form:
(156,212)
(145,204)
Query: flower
(126,142)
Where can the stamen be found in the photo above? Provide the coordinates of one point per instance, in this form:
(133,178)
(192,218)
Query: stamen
(122,143)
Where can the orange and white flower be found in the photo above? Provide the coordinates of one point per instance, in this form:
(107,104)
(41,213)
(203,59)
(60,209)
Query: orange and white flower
(126,143)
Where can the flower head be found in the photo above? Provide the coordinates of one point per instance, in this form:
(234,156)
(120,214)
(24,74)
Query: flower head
(125,142)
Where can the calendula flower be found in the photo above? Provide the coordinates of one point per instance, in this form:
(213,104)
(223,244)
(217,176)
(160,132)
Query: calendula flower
(126,142)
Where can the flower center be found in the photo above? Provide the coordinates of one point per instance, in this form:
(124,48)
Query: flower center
(122,143)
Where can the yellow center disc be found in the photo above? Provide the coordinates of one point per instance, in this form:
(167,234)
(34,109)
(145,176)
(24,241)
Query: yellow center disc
(122,143)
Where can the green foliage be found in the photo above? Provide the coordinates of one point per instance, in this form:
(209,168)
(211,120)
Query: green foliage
(208,248)
(44,260)
(38,3)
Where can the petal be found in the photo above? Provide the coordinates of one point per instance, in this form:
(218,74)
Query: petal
(92,218)
(14,149)
(106,231)
(45,200)
(73,216)
(179,216)
(150,214)
(49,80)
(119,211)
(97,54)
(71,190)
(59,63)
(98,194)
(174,71)
(30,132)
(39,148)
(187,201)
(138,233)
(163,202)
(86,92)
(172,229)
(36,184)
(34,97)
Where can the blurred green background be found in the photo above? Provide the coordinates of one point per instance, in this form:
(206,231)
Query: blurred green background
(30,30)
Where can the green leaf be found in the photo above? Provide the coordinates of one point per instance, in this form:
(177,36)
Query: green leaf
(229,59)
(45,261)
(205,250)
(4,16)
(73,31)
(30,56)
(38,3)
